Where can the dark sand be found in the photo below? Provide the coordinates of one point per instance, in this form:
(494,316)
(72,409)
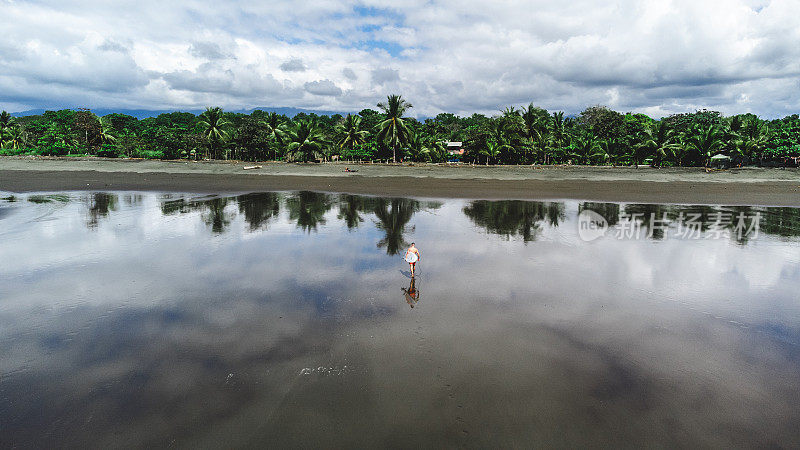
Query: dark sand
(749,186)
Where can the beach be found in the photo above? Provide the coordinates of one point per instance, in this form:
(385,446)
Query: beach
(744,186)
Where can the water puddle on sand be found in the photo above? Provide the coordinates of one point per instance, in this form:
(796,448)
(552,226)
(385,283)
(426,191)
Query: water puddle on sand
(290,319)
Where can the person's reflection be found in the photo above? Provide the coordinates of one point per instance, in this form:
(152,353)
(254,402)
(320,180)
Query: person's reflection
(412,294)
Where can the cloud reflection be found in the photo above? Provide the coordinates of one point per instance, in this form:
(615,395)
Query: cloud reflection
(180,320)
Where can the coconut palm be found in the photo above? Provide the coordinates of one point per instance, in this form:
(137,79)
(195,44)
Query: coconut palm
(276,130)
(611,151)
(350,132)
(393,130)
(533,128)
(511,120)
(705,143)
(417,149)
(214,127)
(658,141)
(493,150)
(755,135)
(558,134)
(586,149)
(6,121)
(106,131)
(306,142)
(6,125)
(436,150)
(14,138)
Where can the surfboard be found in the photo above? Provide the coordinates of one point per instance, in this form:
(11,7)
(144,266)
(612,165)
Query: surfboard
(411,257)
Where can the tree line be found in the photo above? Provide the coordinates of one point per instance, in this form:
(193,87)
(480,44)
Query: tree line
(527,135)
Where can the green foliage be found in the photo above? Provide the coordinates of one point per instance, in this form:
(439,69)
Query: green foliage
(108,151)
(393,130)
(148,154)
(306,142)
(19,151)
(527,135)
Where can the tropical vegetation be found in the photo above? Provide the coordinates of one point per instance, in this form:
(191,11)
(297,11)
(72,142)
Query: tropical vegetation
(527,135)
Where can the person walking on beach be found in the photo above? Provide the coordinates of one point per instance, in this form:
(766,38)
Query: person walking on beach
(412,256)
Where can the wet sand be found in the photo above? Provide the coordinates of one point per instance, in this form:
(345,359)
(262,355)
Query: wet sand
(747,186)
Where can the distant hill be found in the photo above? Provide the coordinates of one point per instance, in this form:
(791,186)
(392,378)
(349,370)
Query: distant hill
(145,113)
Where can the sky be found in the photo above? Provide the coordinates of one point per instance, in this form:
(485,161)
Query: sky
(657,57)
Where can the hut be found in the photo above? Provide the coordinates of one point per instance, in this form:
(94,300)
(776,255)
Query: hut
(720,161)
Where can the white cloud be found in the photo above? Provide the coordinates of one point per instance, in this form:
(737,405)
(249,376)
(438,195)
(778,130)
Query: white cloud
(293,65)
(657,56)
(323,87)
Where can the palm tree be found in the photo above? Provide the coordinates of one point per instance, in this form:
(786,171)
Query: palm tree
(533,129)
(705,143)
(657,140)
(106,131)
(350,132)
(14,138)
(276,131)
(754,138)
(6,126)
(512,121)
(586,148)
(214,126)
(393,129)
(306,141)
(436,150)
(6,121)
(611,150)
(417,150)
(492,150)
(557,133)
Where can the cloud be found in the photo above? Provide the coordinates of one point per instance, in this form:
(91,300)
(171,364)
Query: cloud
(323,87)
(384,75)
(349,74)
(639,55)
(207,50)
(293,65)
(112,46)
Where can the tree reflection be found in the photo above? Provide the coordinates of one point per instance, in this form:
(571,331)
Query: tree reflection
(393,215)
(783,222)
(308,209)
(609,211)
(351,207)
(132,199)
(653,218)
(214,214)
(100,203)
(259,208)
(511,218)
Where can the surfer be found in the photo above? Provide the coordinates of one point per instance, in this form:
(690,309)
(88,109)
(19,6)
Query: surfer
(412,256)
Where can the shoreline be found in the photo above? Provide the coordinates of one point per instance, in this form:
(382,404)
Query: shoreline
(747,186)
